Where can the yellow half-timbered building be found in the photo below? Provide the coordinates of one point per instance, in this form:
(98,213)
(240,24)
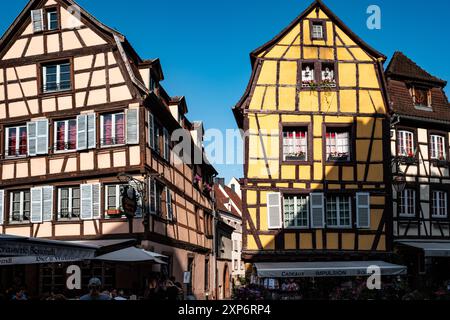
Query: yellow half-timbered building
(315,118)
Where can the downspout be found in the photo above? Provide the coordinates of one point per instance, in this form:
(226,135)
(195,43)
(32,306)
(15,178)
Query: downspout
(215,244)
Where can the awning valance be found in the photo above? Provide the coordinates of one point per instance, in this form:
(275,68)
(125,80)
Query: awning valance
(436,249)
(325,269)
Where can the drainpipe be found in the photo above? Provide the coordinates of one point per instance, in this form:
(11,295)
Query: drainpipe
(214,249)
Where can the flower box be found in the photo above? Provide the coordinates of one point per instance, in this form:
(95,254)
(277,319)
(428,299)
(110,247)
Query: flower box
(441,163)
(114,212)
(296,157)
(338,157)
(408,160)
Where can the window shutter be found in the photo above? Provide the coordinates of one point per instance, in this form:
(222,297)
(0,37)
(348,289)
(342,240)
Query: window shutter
(274,210)
(317,210)
(32,138)
(132,126)
(47,203)
(151,130)
(36,205)
(152,196)
(363,210)
(37,19)
(86,202)
(82,132)
(42,137)
(2,206)
(96,190)
(169,205)
(140,201)
(166,144)
(91,131)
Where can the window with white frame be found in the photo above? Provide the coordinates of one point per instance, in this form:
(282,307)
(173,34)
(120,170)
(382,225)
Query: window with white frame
(421,97)
(113,129)
(296,211)
(439,207)
(65,135)
(339,211)
(20,206)
(295,144)
(52,19)
(338,145)
(317,30)
(69,203)
(16,141)
(405,144)
(328,76)
(407,203)
(307,73)
(437,147)
(56,77)
(113,201)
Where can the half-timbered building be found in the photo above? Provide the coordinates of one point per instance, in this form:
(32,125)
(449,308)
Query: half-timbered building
(315,118)
(420,152)
(78,106)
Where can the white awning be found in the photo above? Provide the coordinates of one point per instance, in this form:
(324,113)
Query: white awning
(436,249)
(132,254)
(325,269)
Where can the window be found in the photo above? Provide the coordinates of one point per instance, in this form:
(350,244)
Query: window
(16,141)
(421,97)
(236,265)
(437,147)
(56,77)
(296,211)
(65,135)
(339,212)
(317,30)
(20,206)
(113,129)
(295,144)
(405,144)
(157,198)
(52,19)
(338,145)
(307,74)
(439,204)
(407,203)
(328,75)
(69,203)
(113,201)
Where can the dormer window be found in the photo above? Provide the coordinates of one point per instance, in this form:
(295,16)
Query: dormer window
(421,97)
(52,19)
(318,30)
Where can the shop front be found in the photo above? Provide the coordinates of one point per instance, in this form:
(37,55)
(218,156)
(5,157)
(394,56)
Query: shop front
(325,280)
(45,267)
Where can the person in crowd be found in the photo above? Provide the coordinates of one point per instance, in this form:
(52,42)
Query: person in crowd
(118,295)
(20,295)
(94,291)
(179,286)
(151,291)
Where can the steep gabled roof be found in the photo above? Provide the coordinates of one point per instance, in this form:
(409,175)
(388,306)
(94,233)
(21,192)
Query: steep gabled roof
(403,67)
(223,195)
(333,17)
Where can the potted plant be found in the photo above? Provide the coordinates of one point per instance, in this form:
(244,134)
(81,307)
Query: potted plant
(197,179)
(307,83)
(338,156)
(441,161)
(296,156)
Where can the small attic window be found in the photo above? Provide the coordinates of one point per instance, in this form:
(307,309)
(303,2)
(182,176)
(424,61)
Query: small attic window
(318,30)
(46,19)
(421,97)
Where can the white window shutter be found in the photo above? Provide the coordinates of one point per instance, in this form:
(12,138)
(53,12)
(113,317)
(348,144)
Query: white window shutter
(86,202)
(166,144)
(317,210)
(151,130)
(37,19)
(42,137)
(363,210)
(96,191)
(32,138)
(2,206)
(82,132)
(36,205)
(132,126)
(91,131)
(274,220)
(47,203)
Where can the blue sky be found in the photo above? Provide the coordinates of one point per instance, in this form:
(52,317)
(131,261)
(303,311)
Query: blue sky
(204,45)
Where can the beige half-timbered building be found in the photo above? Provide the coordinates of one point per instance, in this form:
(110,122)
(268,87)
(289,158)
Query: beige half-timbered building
(78,106)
